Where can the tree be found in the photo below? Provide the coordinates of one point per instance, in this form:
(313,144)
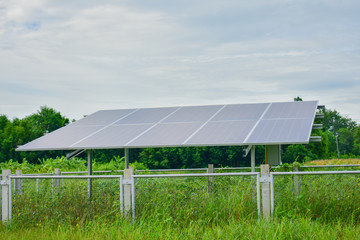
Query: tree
(333,121)
(21,131)
(297,152)
(298,99)
(346,140)
(325,149)
(356,148)
(46,120)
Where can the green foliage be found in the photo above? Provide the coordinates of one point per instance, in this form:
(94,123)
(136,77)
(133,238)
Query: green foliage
(326,197)
(21,131)
(68,205)
(186,200)
(279,228)
(197,157)
(298,152)
(333,121)
(46,120)
(48,165)
(346,140)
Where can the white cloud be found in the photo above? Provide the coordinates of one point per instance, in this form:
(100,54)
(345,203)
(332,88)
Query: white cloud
(81,56)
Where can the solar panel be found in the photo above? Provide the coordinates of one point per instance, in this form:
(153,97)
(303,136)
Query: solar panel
(113,136)
(291,110)
(147,115)
(193,114)
(224,125)
(60,139)
(104,117)
(166,134)
(222,133)
(241,112)
(281,131)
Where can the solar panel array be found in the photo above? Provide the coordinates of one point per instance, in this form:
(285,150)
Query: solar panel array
(217,125)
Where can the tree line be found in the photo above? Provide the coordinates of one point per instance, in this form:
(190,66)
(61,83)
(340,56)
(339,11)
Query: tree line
(340,138)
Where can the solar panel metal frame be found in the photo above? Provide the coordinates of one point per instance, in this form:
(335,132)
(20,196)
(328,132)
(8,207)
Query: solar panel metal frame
(206,119)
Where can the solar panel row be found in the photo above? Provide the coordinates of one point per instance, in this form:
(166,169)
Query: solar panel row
(237,124)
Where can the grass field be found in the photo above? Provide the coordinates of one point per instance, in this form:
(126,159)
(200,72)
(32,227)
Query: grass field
(334,162)
(283,228)
(186,209)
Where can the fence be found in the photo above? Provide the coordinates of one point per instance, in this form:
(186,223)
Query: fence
(170,197)
(35,199)
(217,170)
(196,196)
(329,195)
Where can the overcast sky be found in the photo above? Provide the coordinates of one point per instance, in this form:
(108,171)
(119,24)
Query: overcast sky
(82,56)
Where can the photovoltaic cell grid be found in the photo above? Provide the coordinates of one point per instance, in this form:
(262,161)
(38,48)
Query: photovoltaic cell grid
(217,125)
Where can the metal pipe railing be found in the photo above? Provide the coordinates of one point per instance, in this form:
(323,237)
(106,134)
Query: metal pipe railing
(66,177)
(315,173)
(197,175)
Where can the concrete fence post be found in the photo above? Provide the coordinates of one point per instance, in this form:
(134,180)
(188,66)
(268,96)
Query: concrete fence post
(5,183)
(18,183)
(127,190)
(57,181)
(210,179)
(265,191)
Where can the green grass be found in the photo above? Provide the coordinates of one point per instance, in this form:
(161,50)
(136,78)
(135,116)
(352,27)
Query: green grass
(193,199)
(68,205)
(174,200)
(331,198)
(283,228)
(326,207)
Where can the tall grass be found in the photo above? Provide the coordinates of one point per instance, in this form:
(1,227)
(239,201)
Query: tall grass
(68,205)
(182,200)
(325,207)
(326,197)
(185,200)
(280,228)
(334,162)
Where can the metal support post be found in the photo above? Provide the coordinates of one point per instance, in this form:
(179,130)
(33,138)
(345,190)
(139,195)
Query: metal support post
(265,190)
(280,153)
(126,152)
(253,158)
(5,183)
(90,158)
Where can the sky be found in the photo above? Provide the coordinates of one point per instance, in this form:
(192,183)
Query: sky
(82,56)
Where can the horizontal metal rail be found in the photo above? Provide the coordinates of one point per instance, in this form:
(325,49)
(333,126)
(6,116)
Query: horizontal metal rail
(34,174)
(324,166)
(173,170)
(234,168)
(315,173)
(104,171)
(64,177)
(196,175)
(185,169)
